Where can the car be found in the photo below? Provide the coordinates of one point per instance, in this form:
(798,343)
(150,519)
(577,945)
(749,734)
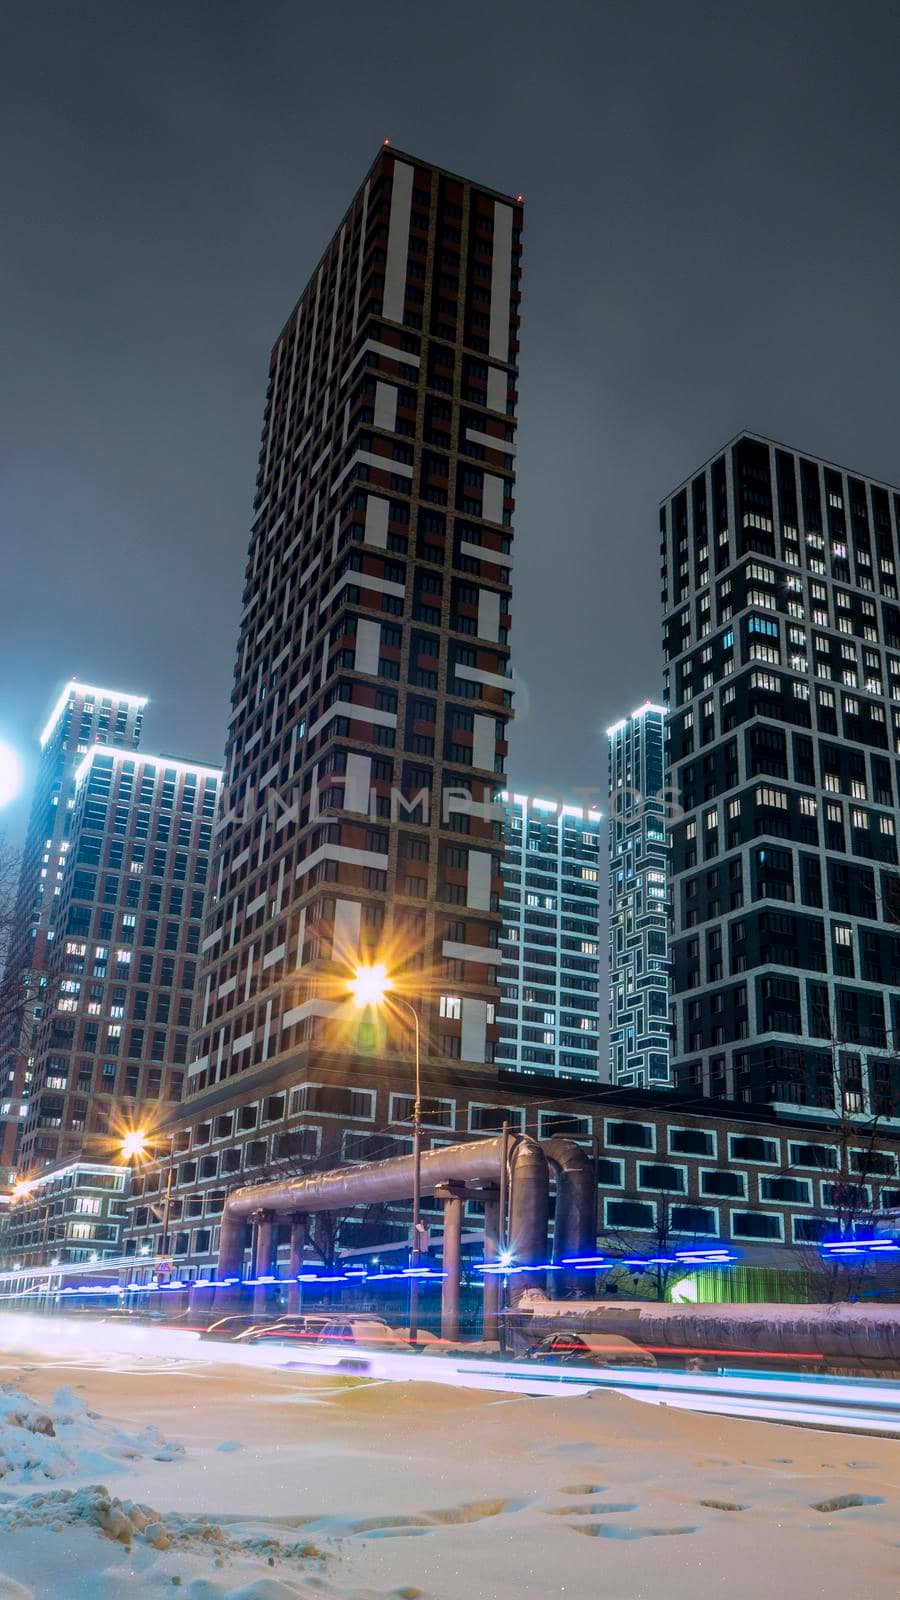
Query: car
(362,1330)
(595,1350)
(292,1329)
(233,1327)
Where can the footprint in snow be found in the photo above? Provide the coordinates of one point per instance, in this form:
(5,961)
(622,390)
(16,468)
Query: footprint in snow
(589,1510)
(617,1530)
(847,1502)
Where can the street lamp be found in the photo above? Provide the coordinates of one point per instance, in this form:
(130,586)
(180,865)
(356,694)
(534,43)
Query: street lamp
(370,986)
(135,1145)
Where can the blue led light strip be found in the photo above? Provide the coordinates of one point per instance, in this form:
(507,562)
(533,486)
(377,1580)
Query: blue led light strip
(359,1275)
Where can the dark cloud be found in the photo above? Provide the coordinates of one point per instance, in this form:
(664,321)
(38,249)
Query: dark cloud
(712,241)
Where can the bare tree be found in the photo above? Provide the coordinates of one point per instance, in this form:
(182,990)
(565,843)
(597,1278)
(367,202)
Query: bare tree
(23,993)
(652,1249)
(860,1088)
(12,994)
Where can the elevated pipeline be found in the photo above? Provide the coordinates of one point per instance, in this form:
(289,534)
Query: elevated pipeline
(473,1164)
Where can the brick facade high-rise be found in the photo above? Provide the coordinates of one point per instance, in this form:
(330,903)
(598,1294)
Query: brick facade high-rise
(371,684)
(372,687)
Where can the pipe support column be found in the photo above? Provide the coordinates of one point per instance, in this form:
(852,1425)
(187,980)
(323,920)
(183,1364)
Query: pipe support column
(230,1263)
(263,1257)
(452,1196)
(490,1323)
(295,1262)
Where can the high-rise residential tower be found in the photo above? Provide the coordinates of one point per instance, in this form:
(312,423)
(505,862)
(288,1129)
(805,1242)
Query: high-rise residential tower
(371,686)
(638,902)
(550,940)
(782,634)
(111,1046)
(82,716)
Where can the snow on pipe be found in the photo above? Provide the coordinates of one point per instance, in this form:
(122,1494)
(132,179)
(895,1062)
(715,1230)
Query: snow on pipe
(842,1330)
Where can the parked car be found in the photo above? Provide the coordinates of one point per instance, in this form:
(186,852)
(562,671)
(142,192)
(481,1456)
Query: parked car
(597,1350)
(293,1329)
(362,1330)
(234,1327)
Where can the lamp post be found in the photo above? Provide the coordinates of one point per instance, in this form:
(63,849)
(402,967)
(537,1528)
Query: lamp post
(133,1147)
(370,987)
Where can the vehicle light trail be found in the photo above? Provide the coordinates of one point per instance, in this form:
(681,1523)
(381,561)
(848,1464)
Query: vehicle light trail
(856,1404)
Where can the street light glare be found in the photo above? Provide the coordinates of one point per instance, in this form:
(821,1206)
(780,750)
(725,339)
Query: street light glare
(134,1144)
(10,773)
(370,985)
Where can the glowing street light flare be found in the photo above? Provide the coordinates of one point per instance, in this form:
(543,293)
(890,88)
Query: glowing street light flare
(10,773)
(369,985)
(133,1144)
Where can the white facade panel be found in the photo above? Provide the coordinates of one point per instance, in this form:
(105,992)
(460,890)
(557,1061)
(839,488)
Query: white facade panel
(345,943)
(488,614)
(497,389)
(484,742)
(478,881)
(501,281)
(368,645)
(492,503)
(385,406)
(484,954)
(357,782)
(377,512)
(473,1034)
(398,243)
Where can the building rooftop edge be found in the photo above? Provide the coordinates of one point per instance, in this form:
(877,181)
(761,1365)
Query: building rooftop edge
(74,683)
(142,755)
(649,705)
(404,155)
(556,805)
(779,444)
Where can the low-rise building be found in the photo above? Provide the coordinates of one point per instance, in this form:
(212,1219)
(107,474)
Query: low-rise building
(71,1212)
(670,1169)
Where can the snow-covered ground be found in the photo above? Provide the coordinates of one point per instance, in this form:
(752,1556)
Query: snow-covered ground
(145,1474)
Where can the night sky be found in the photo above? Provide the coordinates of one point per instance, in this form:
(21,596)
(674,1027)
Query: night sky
(711,243)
